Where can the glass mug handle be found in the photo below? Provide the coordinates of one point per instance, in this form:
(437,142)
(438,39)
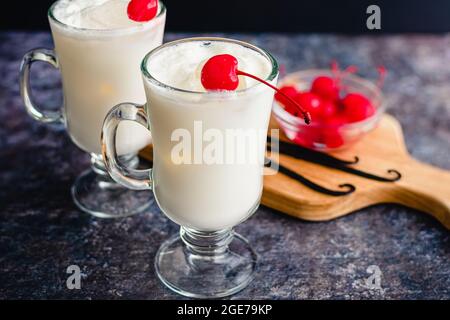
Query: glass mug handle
(128,177)
(43,55)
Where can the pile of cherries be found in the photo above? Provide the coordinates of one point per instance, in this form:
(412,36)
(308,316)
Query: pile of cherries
(330,107)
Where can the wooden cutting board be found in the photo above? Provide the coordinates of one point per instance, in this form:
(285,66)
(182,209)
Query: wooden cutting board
(420,186)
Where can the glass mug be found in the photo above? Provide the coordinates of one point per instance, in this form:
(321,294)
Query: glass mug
(99,68)
(207,259)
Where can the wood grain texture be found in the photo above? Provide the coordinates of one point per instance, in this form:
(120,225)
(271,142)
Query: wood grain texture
(421,187)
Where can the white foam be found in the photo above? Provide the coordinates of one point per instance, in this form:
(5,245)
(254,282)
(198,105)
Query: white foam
(94,14)
(180,65)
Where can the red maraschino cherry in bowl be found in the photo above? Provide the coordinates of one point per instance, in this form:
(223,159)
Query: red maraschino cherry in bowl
(343,107)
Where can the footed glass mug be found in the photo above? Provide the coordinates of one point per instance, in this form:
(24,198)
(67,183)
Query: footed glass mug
(99,68)
(206,198)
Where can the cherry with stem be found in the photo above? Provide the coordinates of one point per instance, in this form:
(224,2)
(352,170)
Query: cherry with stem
(221,73)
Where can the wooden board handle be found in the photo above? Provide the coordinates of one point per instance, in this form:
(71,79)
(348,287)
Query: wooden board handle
(425,188)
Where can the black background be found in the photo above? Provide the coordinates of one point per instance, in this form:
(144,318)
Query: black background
(341,16)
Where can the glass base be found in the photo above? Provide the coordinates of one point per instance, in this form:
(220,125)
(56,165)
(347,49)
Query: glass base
(96,193)
(206,265)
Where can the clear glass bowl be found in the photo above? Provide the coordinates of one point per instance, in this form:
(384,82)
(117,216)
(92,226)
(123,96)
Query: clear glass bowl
(338,136)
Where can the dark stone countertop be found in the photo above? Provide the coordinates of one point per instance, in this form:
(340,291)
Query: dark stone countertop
(42,232)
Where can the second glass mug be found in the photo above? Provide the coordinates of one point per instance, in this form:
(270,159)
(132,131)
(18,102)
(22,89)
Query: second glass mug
(207,259)
(99,68)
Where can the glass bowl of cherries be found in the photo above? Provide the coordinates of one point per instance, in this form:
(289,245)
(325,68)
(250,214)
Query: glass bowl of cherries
(343,107)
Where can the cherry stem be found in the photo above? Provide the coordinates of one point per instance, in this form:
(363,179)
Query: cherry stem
(282,70)
(335,67)
(306,115)
(382,76)
(351,69)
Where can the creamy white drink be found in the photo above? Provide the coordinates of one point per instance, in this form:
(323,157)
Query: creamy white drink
(194,193)
(99,52)
(208,151)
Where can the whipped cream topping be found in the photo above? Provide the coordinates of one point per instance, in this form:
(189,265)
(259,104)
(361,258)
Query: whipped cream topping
(180,66)
(94,14)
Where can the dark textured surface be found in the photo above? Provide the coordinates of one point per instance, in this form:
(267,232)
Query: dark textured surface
(42,232)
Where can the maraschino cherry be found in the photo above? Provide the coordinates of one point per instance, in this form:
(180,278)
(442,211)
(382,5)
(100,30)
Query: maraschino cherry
(319,107)
(289,91)
(331,133)
(142,10)
(357,107)
(221,73)
(326,87)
